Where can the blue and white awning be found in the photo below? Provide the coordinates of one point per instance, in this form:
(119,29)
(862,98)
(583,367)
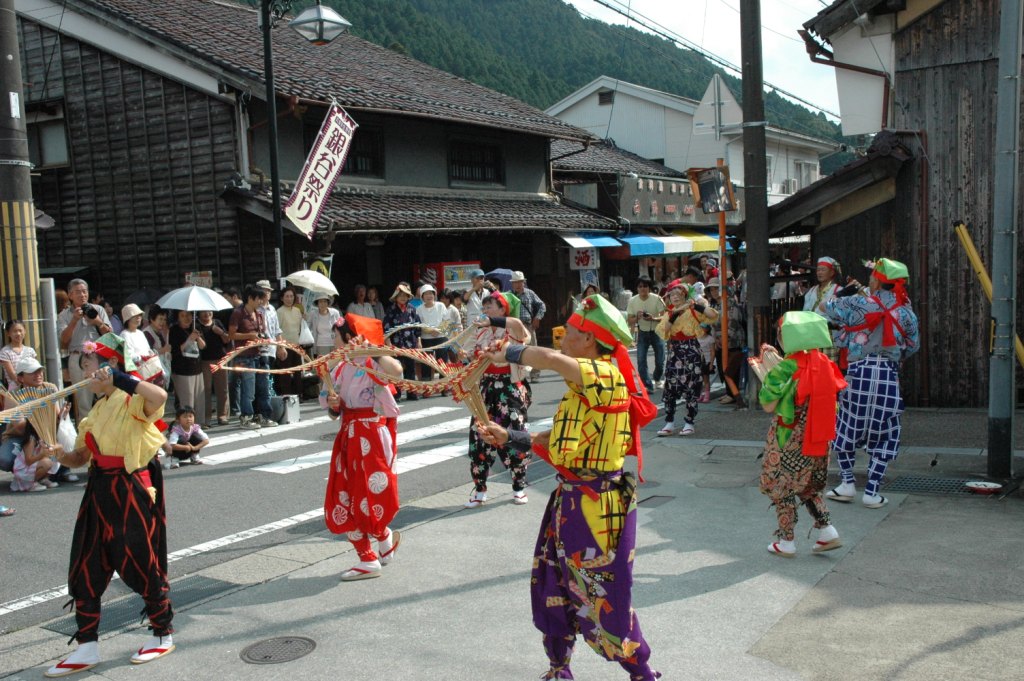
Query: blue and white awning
(650,244)
(584,240)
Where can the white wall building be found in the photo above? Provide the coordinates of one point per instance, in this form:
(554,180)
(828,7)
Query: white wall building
(660,126)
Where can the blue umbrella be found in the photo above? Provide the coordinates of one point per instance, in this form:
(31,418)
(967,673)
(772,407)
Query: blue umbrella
(503,275)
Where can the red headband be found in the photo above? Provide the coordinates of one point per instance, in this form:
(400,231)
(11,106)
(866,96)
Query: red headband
(500,299)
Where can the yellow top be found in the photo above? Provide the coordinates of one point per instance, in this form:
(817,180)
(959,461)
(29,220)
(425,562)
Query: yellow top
(582,438)
(687,323)
(121,428)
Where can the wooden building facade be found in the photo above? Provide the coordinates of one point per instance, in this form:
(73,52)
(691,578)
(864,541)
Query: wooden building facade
(943,117)
(144,162)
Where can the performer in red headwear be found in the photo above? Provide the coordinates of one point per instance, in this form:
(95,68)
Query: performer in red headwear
(506,394)
(121,522)
(362,487)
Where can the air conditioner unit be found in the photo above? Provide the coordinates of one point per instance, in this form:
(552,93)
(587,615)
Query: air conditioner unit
(790,185)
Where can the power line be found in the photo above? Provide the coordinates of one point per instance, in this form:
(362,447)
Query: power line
(670,35)
(792,126)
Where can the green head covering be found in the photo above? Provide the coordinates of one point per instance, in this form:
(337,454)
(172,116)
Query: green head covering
(513,303)
(891,271)
(804,331)
(601,318)
(111,346)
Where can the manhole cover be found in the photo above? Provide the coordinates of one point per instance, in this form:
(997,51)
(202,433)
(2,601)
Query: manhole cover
(912,484)
(277,650)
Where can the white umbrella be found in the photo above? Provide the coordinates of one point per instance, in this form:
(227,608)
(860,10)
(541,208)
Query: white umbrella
(314,281)
(194,299)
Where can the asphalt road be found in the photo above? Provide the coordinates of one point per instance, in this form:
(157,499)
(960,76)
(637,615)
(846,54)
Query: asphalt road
(257,490)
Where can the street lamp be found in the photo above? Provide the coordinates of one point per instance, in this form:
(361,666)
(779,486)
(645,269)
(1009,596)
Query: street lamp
(319,25)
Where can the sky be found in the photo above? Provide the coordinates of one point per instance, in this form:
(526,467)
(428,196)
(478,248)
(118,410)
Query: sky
(715,26)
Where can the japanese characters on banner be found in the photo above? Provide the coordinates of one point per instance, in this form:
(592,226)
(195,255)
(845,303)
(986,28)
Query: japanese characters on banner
(323,165)
(588,277)
(584,258)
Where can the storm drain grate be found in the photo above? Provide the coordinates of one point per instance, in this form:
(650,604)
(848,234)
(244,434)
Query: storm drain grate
(125,611)
(277,650)
(655,500)
(912,484)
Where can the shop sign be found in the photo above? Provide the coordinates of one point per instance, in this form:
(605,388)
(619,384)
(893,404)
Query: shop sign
(584,258)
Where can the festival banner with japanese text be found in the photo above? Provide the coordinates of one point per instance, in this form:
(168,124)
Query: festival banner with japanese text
(323,165)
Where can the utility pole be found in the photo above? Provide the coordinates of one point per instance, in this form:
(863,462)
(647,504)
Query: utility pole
(1001,393)
(19,256)
(754,178)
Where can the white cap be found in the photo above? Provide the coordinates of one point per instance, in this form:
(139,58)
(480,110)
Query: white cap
(27,365)
(264,284)
(423,289)
(518,276)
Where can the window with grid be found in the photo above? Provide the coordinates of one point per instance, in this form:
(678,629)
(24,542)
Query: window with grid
(475,162)
(366,155)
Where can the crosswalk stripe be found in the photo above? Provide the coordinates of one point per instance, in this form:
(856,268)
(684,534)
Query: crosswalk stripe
(255,450)
(242,436)
(324,457)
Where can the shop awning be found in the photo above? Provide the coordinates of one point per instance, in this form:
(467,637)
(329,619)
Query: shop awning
(584,240)
(681,242)
(699,242)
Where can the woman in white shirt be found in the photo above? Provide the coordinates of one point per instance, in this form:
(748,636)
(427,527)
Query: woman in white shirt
(433,314)
(289,316)
(321,323)
(360,306)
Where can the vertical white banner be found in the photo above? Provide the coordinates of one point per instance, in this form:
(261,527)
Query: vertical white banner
(323,165)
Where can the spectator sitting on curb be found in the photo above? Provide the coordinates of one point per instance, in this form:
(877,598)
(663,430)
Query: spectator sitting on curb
(185,439)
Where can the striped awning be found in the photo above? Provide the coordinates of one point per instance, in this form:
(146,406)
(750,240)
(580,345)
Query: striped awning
(585,240)
(681,242)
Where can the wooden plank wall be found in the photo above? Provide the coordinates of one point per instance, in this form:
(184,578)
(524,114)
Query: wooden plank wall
(139,201)
(946,86)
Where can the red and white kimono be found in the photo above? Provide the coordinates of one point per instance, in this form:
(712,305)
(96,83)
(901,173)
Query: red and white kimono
(362,487)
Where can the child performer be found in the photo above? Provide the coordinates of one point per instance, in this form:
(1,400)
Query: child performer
(801,392)
(121,523)
(507,398)
(362,490)
(681,327)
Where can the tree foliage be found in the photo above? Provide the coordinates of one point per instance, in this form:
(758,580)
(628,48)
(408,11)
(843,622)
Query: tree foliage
(540,51)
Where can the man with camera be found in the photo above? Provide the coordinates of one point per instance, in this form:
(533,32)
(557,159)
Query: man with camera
(643,312)
(77,324)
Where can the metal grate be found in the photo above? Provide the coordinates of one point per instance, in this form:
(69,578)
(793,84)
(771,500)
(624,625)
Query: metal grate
(277,650)
(124,612)
(655,500)
(914,484)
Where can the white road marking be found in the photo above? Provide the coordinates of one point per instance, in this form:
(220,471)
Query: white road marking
(254,450)
(405,464)
(280,445)
(324,457)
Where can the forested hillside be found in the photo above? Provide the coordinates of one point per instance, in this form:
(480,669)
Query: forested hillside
(539,51)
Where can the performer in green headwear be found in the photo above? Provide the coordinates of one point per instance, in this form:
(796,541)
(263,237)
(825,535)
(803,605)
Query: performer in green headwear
(583,565)
(801,392)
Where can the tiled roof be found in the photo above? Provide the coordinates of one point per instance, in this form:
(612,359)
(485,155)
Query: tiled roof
(357,210)
(604,157)
(357,73)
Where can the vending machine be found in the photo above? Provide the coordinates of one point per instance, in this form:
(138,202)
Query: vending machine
(446,275)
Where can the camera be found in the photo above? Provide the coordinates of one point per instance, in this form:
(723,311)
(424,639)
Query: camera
(89,311)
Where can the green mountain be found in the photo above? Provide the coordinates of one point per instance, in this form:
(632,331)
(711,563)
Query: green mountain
(539,51)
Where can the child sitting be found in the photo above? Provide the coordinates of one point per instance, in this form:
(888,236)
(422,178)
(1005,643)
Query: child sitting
(32,464)
(185,439)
